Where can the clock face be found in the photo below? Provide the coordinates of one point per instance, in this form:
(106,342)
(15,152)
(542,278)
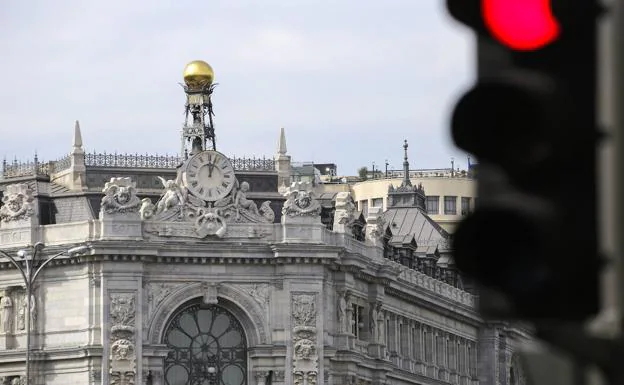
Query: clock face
(210,175)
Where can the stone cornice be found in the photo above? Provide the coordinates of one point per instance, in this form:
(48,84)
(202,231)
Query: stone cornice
(54,354)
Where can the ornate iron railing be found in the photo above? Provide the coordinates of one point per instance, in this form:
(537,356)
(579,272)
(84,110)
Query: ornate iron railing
(19,169)
(131,160)
(253,164)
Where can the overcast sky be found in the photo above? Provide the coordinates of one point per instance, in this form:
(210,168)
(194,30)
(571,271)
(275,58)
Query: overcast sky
(348,79)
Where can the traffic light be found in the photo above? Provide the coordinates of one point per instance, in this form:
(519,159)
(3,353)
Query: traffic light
(531,122)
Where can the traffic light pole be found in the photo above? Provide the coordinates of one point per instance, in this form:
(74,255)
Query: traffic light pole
(617,49)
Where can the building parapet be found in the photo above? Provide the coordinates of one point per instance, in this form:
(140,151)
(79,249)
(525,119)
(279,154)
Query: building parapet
(416,278)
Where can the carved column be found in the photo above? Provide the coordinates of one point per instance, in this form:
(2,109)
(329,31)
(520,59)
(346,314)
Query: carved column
(304,337)
(122,364)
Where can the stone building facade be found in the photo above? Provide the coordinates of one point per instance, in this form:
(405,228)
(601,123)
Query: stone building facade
(270,284)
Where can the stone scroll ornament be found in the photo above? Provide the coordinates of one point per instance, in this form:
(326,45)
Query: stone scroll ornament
(305,354)
(17,203)
(120,197)
(301,201)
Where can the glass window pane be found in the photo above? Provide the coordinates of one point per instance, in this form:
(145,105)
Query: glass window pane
(433,205)
(200,338)
(450,205)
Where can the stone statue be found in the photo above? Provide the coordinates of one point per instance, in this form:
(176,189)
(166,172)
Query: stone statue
(374,314)
(7,313)
(237,208)
(174,195)
(33,312)
(342,313)
(267,212)
(241,201)
(381,325)
(21,313)
(147,209)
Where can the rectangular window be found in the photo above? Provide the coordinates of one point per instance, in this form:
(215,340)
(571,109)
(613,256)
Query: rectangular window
(450,205)
(377,202)
(465,205)
(358,321)
(433,205)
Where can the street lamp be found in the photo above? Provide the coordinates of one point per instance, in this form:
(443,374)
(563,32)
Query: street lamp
(29,263)
(212,374)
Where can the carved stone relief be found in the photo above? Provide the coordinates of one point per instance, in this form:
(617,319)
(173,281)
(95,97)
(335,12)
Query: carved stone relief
(18,203)
(155,293)
(123,338)
(202,218)
(305,352)
(118,377)
(279,375)
(301,201)
(119,197)
(260,292)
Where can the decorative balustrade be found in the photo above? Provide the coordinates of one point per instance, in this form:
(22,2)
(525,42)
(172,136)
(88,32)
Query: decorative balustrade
(17,169)
(425,281)
(131,160)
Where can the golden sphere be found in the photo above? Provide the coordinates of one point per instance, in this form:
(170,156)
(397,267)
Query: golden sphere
(198,74)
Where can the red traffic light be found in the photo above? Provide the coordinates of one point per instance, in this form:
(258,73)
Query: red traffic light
(523,25)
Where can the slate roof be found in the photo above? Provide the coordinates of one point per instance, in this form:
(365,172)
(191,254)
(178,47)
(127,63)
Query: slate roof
(406,223)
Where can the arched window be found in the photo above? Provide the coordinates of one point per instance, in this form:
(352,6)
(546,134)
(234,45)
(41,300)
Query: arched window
(207,346)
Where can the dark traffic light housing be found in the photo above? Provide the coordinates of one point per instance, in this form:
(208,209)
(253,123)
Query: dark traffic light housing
(531,123)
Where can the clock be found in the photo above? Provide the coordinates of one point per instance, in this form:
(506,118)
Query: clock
(209,175)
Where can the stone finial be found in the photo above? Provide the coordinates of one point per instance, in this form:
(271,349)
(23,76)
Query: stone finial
(77,136)
(281,144)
